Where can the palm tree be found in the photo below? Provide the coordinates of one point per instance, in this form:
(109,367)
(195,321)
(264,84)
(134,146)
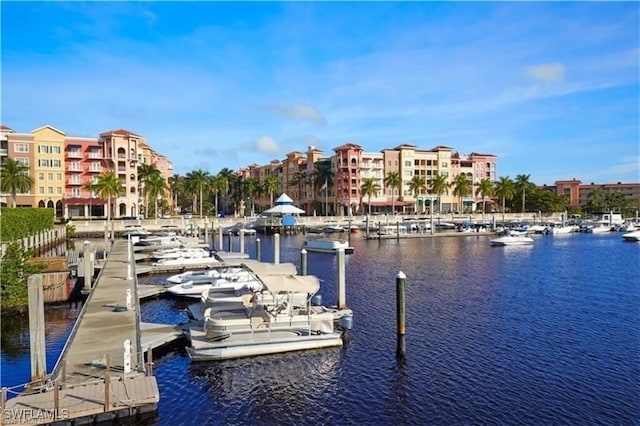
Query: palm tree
(462,187)
(484,189)
(393,181)
(197,181)
(270,185)
(155,187)
(522,184)
(505,189)
(226,179)
(251,188)
(107,186)
(145,172)
(439,185)
(368,188)
(323,179)
(416,185)
(176,185)
(15,178)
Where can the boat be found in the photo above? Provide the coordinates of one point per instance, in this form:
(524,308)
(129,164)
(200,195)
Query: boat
(327,246)
(511,240)
(260,329)
(230,278)
(166,241)
(181,252)
(331,226)
(188,262)
(195,276)
(560,229)
(631,236)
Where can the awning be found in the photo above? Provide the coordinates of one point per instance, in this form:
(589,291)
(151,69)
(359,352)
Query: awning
(467,203)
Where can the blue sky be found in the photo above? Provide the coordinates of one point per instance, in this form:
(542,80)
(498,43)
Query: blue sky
(552,89)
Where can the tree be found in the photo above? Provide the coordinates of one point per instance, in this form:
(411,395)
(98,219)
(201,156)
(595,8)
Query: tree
(521,185)
(15,178)
(14,273)
(462,187)
(368,188)
(439,186)
(484,189)
(146,172)
(176,185)
(198,181)
(505,189)
(417,184)
(155,187)
(393,181)
(323,179)
(107,186)
(270,185)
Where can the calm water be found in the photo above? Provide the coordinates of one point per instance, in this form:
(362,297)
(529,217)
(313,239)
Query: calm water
(545,334)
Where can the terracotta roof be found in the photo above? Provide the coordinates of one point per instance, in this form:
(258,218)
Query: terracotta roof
(348,145)
(119,132)
(3,127)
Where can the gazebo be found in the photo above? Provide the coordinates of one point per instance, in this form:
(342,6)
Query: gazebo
(283,215)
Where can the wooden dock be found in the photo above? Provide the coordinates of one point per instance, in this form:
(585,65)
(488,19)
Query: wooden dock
(101,373)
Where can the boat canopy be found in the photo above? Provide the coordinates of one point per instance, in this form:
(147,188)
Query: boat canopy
(290,283)
(263,268)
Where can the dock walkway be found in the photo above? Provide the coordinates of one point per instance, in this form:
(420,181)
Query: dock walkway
(94,377)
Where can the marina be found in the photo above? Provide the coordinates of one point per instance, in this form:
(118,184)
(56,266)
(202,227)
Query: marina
(489,330)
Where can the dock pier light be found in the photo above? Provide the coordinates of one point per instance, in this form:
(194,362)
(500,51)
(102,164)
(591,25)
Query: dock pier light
(303,262)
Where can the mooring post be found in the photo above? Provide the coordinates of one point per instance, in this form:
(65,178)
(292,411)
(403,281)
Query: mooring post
(86,262)
(36,327)
(397,230)
(129,259)
(258,250)
(303,262)
(106,240)
(149,369)
(56,400)
(230,242)
(241,240)
(400,314)
(206,232)
(276,248)
(349,231)
(341,291)
(220,238)
(63,374)
(107,378)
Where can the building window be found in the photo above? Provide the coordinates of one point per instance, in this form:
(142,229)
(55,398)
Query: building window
(50,189)
(23,161)
(21,147)
(59,190)
(75,192)
(445,164)
(407,163)
(59,176)
(49,176)
(40,176)
(41,189)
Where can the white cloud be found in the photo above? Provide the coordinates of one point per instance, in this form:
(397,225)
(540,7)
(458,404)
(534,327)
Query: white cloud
(547,73)
(267,144)
(298,113)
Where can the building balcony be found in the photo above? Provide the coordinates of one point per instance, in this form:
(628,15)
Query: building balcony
(75,182)
(95,155)
(95,170)
(4,151)
(74,169)
(74,154)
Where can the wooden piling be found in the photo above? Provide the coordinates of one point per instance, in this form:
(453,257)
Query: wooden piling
(107,379)
(36,327)
(276,248)
(303,262)
(149,367)
(258,250)
(3,403)
(86,264)
(56,399)
(401,348)
(241,232)
(398,230)
(341,292)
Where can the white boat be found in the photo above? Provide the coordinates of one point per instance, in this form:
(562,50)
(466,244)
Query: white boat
(559,229)
(181,252)
(537,229)
(232,278)
(632,236)
(393,230)
(599,228)
(266,329)
(166,241)
(188,262)
(195,276)
(327,246)
(510,240)
(331,227)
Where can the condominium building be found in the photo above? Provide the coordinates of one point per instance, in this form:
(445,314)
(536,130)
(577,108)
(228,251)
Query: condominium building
(579,194)
(84,161)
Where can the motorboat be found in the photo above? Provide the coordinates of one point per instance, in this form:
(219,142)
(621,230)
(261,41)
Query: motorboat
(327,246)
(181,252)
(187,262)
(511,240)
(195,276)
(166,241)
(560,229)
(631,236)
(330,227)
(232,278)
(260,329)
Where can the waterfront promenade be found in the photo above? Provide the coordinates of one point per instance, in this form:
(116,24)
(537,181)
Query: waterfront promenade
(101,371)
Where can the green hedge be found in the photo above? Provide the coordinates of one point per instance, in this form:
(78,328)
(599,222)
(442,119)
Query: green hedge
(24,221)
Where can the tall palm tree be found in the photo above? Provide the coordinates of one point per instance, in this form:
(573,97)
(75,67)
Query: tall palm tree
(270,185)
(462,186)
(146,172)
(484,189)
(393,181)
(522,184)
(416,185)
(155,187)
(251,187)
(368,188)
(197,181)
(227,178)
(176,185)
(107,186)
(505,189)
(439,186)
(15,178)
(323,179)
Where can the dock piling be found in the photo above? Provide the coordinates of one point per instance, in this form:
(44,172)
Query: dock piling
(149,365)
(56,400)
(258,250)
(36,327)
(107,392)
(3,403)
(220,239)
(401,348)
(127,356)
(86,265)
(303,262)
(241,232)
(276,248)
(340,280)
